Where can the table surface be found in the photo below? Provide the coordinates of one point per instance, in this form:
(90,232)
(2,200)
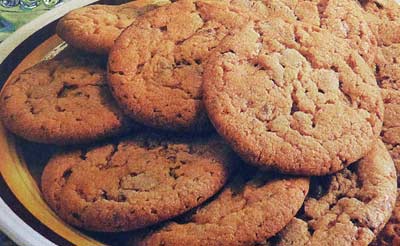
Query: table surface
(12,18)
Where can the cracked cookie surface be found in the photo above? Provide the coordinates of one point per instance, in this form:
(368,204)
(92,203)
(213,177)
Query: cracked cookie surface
(94,28)
(65,100)
(156,65)
(252,207)
(293,97)
(136,182)
(347,208)
(384,18)
(344,18)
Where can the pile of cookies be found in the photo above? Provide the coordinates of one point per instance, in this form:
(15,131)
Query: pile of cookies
(221,122)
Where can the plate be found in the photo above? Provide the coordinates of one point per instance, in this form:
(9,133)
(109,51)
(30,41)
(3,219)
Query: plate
(24,215)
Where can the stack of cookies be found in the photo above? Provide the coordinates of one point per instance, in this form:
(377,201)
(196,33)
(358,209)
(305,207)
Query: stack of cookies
(221,122)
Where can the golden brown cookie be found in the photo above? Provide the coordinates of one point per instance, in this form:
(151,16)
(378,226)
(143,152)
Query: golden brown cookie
(62,101)
(156,65)
(253,207)
(293,97)
(136,182)
(347,208)
(94,28)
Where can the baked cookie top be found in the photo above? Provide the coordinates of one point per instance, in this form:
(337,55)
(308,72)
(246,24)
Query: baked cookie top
(62,101)
(94,28)
(343,18)
(383,16)
(136,182)
(156,65)
(347,208)
(254,206)
(293,97)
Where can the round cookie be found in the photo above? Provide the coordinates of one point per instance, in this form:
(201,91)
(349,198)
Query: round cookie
(94,28)
(62,101)
(293,97)
(347,208)
(136,182)
(253,207)
(156,65)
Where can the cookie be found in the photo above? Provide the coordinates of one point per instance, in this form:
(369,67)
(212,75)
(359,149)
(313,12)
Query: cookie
(253,207)
(382,15)
(61,101)
(384,18)
(136,182)
(344,18)
(94,28)
(391,136)
(293,97)
(156,65)
(347,208)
